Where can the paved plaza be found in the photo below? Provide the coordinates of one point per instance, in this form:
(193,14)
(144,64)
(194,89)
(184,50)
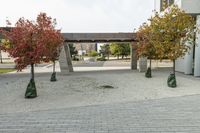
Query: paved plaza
(76,103)
(168,115)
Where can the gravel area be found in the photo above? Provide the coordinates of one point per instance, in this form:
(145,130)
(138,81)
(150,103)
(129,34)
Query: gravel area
(85,88)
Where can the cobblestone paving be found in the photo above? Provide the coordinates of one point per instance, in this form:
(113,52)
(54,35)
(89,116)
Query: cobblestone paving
(180,114)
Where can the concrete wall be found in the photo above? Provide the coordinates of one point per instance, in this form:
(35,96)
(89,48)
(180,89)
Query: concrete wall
(179,65)
(157,5)
(185,64)
(190,6)
(197,52)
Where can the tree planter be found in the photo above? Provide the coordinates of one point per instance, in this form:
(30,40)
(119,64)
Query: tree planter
(171,82)
(31,91)
(53,77)
(148,73)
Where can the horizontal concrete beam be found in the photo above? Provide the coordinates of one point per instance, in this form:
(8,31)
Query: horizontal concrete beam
(99,37)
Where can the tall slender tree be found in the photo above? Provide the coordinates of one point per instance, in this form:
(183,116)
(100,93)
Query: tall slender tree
(30,43)
(25,48)
(51,39)
(171,31)
(145,46)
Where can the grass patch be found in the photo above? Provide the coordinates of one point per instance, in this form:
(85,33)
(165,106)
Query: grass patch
(8,62)
(6,70)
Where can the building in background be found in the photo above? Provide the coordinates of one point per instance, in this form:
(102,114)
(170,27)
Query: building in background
(4,56)
(190,63)
(85,48)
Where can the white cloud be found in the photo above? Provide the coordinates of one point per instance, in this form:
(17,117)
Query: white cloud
(82,15)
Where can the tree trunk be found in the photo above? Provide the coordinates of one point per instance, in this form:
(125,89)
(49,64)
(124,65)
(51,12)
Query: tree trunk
(53,76)
(32,72)
(54,65)
(1,57)
(174,67)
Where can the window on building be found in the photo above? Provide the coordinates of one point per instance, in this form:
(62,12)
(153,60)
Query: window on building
(165,3)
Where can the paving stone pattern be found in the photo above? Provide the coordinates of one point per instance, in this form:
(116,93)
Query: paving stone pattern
(170,115)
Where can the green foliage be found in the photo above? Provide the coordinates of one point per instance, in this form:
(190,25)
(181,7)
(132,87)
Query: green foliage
(171,31)
(145,47)
(120,49)
(165,36)
(73,50)
(6,70)
(93,53)
(105,50)
(5,44)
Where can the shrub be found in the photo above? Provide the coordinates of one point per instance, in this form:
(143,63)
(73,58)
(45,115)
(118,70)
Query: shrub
(93,53)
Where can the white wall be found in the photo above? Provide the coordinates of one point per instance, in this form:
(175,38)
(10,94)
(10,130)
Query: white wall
(157,5)
(185,64)
(190,6)
(197,52)
(188,61)
(179,65)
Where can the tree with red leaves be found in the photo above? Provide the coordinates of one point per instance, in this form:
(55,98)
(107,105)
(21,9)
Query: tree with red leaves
(51,39)
(25,48)
(30,43)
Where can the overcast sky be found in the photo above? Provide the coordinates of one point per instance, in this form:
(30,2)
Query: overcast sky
(82,15)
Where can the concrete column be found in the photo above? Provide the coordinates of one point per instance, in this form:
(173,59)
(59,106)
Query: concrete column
(179,64)
(142,64)
(188,61)
(133,57)
(197,52)
(65,60)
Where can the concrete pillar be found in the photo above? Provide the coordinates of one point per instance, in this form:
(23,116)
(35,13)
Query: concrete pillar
(142,64)
(197,52)
(188,61)
(133,57)
(65,60)
(179,64)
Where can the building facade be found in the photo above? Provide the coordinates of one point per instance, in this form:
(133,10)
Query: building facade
(190,63)
(85,48)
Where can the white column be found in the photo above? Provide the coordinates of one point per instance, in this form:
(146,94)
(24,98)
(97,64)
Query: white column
(197,52)
(188,61)
(143,64)
(179,67)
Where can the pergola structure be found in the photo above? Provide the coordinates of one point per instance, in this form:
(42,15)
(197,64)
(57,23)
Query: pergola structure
(65,57)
